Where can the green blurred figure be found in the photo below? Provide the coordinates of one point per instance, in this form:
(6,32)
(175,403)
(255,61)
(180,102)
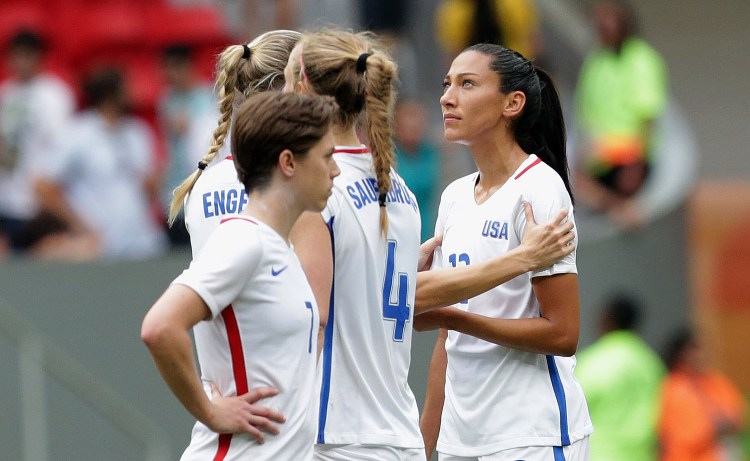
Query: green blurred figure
(621,376)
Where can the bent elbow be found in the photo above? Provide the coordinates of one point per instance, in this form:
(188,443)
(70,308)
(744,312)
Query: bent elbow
(151,332)
(567,347)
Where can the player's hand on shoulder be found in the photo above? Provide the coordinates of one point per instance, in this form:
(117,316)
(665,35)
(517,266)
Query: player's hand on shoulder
(545,244)
(426,252)
(242,414)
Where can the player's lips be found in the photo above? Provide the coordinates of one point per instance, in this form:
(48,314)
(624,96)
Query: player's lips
(448,117)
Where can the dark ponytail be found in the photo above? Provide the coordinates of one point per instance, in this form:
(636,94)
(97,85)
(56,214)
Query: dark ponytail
(540,129)
(546,136)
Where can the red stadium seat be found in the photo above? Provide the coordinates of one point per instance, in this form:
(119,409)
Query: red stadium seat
(15,16)
(192,25)
(100,28)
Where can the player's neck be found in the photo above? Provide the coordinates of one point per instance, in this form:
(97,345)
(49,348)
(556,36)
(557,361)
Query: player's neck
(272,207)
(497,161)
(345,136)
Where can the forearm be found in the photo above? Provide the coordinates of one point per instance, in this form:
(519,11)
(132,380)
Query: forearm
(435,397)
(538,335)
(166,333)
(444,287)
(173,355)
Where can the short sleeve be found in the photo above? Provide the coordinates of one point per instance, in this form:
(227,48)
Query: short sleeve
(546,202)
(225,264)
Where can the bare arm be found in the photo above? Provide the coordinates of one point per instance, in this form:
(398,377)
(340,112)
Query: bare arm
(312,243)
(429,423)
(165,331)
(542,245)
(554,332)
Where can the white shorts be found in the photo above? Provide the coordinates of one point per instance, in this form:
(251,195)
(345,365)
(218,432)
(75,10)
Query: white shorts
(577,451)
(357,452)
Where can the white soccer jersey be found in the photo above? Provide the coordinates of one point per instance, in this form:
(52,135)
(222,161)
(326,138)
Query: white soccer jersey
(216,194)
(263,332)
(365,398)
(498,397)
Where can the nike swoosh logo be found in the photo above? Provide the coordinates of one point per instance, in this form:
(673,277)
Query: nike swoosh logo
(277,272)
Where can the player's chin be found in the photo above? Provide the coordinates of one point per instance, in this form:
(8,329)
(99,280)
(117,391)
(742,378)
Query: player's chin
(321,202)
(452,135)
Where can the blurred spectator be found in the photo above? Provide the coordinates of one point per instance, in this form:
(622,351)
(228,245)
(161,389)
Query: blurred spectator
(621,375)
(621,91)
(702,412)
(388,19)
(249,18)
(511,23)
(187,113)
(418,160)
(34,107)
(99,184)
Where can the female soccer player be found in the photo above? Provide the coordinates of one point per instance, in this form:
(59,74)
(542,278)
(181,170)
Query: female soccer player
(242,70)
(509,390)
(369,232)
(260,338)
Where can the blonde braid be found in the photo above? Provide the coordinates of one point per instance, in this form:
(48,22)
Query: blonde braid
(380,74)
(226,82)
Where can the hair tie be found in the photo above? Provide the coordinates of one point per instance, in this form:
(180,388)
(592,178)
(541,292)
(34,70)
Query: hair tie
(362,65)
(202,165)
(246,53)
(381,200)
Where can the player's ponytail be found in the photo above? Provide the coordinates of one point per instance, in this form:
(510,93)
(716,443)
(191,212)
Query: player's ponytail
(379,73)
(540,127)
(346,66)
(240,70)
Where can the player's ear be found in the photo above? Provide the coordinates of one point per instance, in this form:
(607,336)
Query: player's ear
(286,163)
(514,104)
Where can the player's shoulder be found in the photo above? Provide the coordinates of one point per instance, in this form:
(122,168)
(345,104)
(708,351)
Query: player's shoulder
(536,172)
(240,225)
(538,182)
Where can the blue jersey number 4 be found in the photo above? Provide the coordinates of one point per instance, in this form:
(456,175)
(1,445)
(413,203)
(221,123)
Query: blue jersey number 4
(399,312)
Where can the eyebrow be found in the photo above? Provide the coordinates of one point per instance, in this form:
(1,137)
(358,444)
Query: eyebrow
(462,74)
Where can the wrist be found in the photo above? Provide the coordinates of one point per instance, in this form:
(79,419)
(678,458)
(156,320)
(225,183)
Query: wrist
(520,259)
(450,318)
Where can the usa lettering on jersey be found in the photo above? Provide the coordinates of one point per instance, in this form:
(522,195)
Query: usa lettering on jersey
(495,230)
